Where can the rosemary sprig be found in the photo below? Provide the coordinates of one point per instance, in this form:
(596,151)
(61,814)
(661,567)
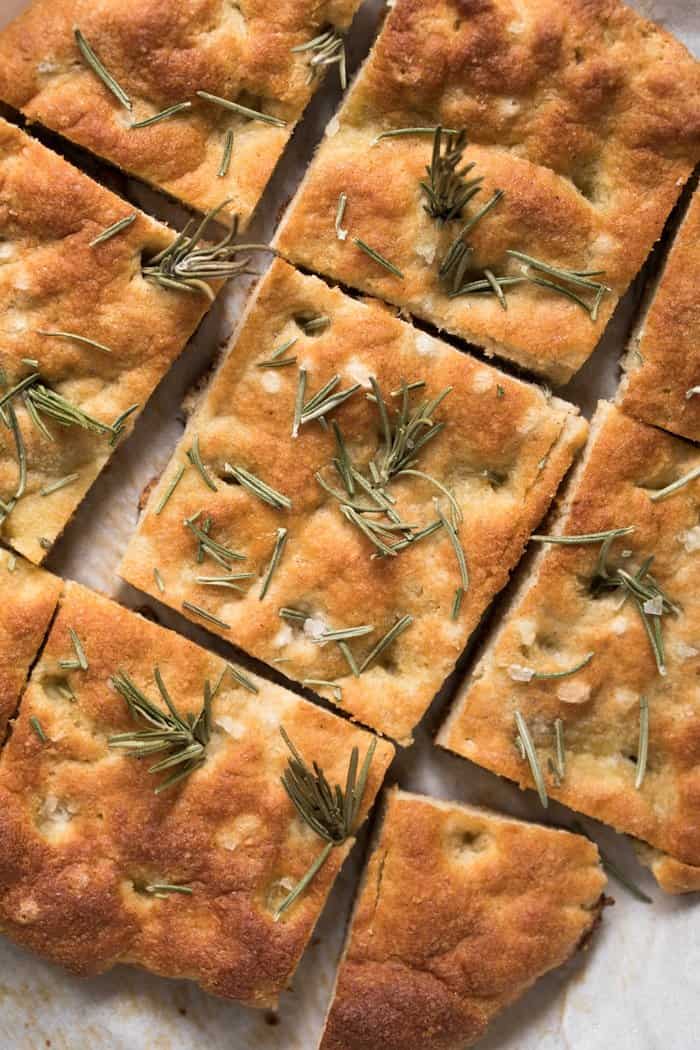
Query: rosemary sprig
(323,401)
(531,756)
(113,230)
(399,132)
(226,155)
(386,640)
(74,338)
(277,552)
(331,812)
(40,400)
(197,610)
(207,545)
(577,278)
(38,729)
(172,485)
(276,358)
(327,49)
(245,111)
(80,662)
(195,457)
(453,267)
(341,233)
(183,738)
(447,189)
(185,267)
(164,114)
(643,749)
(669,490)
(60,483)
(377,257)
(259,488)
(99,69)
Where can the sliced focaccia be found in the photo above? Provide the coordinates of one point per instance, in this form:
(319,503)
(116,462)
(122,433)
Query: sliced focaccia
(90,321)
(590,688)
(185,870)
(349,496)
(662,366)
(581,122)
(461,910)
(28,597)
(197,100)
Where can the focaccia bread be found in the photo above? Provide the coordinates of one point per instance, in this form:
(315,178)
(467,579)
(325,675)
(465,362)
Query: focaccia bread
(28,597)
(502,449)
(161,55)
(96,868)
(672,875)
(461,910)
(54,285)
(662,365)
(585,115)
(625,712)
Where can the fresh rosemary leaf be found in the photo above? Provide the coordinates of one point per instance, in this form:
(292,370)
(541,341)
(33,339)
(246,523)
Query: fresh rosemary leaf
(160,583)
(483,285)
(391,635)
(322,683)
(643,749)
(209,617)
(377,256)
(162,889)
(343,633)
(536,675)
(98,68)
(458,549)
(207,545)
(315,323)
(295,615)
(164,114)
(446,189)
(349,658)
(183,738)
(340,233)
(590,537)
(531,756)
(60,483)
(245,111)
(113,230)
(331,812)
(242,679)
(76,339)
(328,49)
(277,551)
(276,360)
(259,488)
(457,603)
(398,132)
(669,490)
(561,748)
(325,400)
(79,651)
(229,581)
(170,489)
(195,458)
(30,361)
(37,727)
(577,278)
(226,156)
(299,402)
(496,288)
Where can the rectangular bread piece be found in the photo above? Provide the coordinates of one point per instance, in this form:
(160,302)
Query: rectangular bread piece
(628,710)
(54,285)
(461,910)
(661,384)
(585,115)
(28,597)
(161,55)
(97,868)
(495,464)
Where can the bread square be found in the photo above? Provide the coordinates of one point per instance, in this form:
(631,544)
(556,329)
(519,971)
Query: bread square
(628,716)
(461,910)
(98,868)
(28,597)
(496,463)
(585,115)
(255,55)
(661,384)
(60,295)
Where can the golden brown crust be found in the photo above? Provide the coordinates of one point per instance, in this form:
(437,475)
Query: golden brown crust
(28,597)
(493,423)
(663,359)
(555,621)
(460,912)
(52,280)
(672,875)
(585,114)
(81,829)
(161,57)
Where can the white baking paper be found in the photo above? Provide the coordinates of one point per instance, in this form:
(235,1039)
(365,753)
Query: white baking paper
(637,988)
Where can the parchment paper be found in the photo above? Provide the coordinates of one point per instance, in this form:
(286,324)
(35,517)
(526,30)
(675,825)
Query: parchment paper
(637,988)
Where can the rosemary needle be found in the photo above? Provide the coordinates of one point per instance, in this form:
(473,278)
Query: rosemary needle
(164,114)
(37,727)
(457,603)
(73,337)
(540,675)
(61,483)
(377,257)
(259,488)
(561,748)
(160,583)
(245,111)
(277,551)
(330,812)
(343,633)
(226,156)
(589,537)
(209,617)
(99,69)
(349,658)
(669,490)
(643,749)
(323,683)
(113,230)
(195,458)
(242,679)
(340,233)
(391,635)
(328,49)
(531,756)
(172,485)
(206,544)
(276,358)
(79,651)
(162,889)
(458,549)
(398,132)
